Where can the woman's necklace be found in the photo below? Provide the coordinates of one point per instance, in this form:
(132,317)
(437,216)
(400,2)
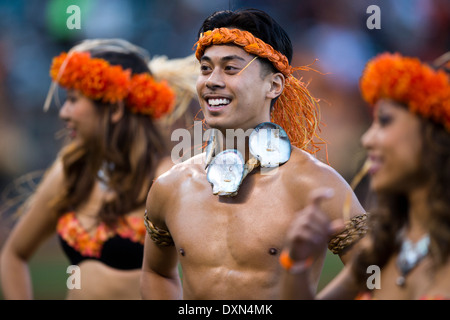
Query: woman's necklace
(410,255)
(269,147)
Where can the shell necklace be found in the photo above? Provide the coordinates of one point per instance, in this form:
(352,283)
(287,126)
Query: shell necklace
(269,147)
(410,255)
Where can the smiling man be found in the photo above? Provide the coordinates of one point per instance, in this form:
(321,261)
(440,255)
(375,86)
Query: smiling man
(223,215)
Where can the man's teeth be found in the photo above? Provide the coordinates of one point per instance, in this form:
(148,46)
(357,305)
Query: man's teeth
(217,102)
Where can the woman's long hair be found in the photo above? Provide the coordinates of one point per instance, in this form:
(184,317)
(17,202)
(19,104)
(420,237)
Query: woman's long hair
(390,216)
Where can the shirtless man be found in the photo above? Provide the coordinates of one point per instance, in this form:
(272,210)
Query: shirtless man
(228,246)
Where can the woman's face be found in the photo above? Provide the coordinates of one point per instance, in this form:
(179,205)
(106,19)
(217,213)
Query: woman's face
(394,145)
(80,115)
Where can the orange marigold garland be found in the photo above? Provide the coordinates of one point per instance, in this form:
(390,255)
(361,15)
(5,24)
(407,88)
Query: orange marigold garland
(145,91)
(295,110)
(99,80)
(407,80)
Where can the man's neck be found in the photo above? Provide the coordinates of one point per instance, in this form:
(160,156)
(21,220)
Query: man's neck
(237,139)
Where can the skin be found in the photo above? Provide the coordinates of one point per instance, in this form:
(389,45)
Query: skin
(80,116)
(38,223)
(229,247)
(394,144)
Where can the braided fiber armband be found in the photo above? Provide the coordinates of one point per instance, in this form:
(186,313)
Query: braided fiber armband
(354,230)
(159,236)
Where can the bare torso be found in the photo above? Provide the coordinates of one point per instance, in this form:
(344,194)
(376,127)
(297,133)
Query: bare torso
(97,280)
(101,282)
(229,247)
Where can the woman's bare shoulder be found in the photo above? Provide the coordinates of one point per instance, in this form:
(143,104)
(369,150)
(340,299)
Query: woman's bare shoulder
(440,287)
(53,180)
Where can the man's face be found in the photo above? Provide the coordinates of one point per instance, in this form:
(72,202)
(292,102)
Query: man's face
(229,98)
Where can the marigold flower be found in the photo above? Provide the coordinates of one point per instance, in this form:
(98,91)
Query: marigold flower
(98,80)
(407,80)
(76,236)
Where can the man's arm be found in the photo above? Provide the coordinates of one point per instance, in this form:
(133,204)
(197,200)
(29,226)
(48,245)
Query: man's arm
(159,279)
(328,218)
(307,236)
(346,206)
(342,205)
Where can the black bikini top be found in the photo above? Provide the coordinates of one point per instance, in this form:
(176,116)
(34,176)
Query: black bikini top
(121,247)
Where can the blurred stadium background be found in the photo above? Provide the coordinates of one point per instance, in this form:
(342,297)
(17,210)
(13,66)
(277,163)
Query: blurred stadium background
(334,32)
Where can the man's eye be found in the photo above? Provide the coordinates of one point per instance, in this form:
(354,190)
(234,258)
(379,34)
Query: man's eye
(204,68)
(231,68)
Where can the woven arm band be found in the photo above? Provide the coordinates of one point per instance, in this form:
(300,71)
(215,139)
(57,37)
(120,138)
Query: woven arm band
(159,236)
(354,230)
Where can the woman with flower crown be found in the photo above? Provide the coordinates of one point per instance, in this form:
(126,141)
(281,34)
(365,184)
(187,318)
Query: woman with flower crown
(93,196)
(405,254)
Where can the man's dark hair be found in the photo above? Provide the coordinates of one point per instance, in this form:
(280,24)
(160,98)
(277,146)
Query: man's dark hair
(255,21)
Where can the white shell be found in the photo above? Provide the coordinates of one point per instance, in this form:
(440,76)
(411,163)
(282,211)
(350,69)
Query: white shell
(225,173)
(270,144)
(212,148)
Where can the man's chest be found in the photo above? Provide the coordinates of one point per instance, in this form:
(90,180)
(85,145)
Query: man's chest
(249,227)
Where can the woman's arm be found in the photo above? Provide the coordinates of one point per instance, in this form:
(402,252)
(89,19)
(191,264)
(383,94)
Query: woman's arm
(36,225)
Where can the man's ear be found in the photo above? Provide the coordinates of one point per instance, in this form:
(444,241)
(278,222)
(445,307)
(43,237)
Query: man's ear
(117,111)
(277,85)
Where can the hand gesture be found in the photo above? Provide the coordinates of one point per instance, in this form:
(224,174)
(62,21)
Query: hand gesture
(311,230)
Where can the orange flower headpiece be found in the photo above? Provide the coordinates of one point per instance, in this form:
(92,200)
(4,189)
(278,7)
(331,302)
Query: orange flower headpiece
(99,80)
(295,110)
(406,80)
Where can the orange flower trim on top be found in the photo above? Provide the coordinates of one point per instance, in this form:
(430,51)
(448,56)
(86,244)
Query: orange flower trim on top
(77,237)
(406,80)
(97,79)
(295,110)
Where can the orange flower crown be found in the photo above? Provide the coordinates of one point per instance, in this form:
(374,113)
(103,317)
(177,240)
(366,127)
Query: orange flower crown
(406,80)
(98,80)
(295,110)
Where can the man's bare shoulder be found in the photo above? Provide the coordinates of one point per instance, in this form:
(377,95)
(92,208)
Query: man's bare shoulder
(309,173)
(308,169)
(181,171)
(166,189)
